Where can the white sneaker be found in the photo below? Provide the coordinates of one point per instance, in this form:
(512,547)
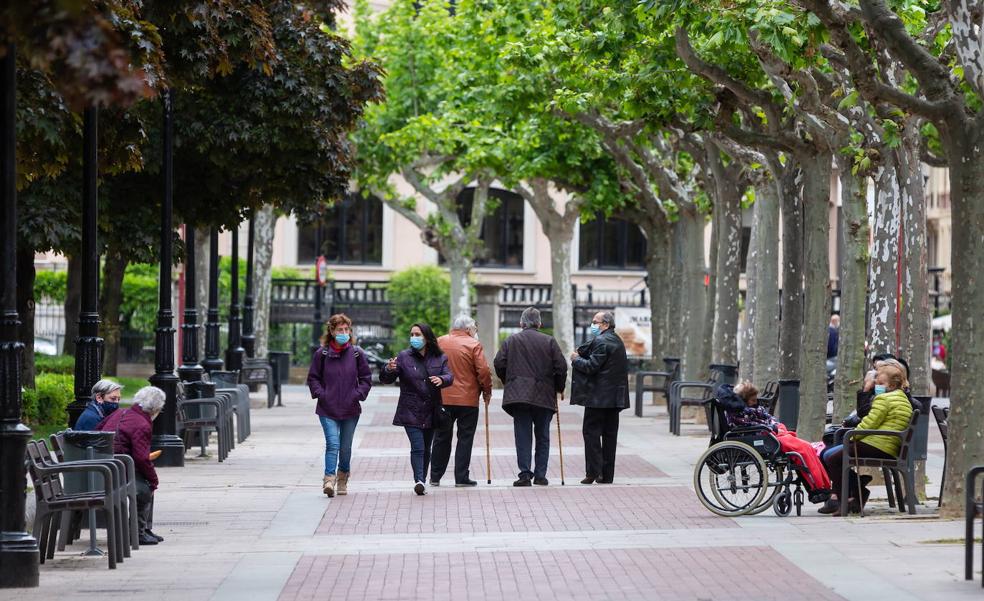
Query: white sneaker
(419,489)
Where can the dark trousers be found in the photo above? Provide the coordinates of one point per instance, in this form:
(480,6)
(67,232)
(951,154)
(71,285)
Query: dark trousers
(467,420)
(145,504)
(530,421)
(833,460)
(420,451)
(600,430)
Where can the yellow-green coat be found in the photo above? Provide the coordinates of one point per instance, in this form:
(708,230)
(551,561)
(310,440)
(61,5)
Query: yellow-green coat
(889,411)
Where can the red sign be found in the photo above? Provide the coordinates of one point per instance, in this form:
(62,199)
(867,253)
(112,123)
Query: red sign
(321,271)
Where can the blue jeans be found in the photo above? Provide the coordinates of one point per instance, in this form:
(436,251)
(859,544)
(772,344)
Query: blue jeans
(527,420)
(338,443)
(420,451)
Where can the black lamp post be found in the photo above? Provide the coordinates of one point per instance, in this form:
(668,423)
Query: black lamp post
(235,351)
(18,549)
(190,370)
(88,346)
(249,334)
(165,426)
(212,360)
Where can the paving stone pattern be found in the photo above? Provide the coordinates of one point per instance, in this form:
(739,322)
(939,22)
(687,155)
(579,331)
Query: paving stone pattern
(584,575)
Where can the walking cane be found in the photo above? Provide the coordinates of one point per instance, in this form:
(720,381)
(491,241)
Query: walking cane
(560,442)
(488,447)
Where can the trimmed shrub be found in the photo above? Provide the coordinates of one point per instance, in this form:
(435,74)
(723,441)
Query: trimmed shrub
(46,404)
(419,294)
(54,364)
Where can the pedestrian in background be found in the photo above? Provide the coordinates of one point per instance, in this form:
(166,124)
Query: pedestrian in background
(472,377)
(534,372)
(423,372)
(339,379)
(600,383)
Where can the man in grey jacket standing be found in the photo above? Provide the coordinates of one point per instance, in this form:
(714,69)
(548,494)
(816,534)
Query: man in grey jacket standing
(534,371)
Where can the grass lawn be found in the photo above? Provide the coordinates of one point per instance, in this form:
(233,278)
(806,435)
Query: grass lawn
(130,385)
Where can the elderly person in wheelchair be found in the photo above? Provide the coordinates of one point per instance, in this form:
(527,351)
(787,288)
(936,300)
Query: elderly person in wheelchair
(751,455)
(890,409)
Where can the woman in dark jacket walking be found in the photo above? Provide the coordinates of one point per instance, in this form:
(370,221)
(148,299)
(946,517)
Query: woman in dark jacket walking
(423,372)
(340,380)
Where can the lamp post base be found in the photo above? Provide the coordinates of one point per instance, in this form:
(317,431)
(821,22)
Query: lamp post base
(18,560)
(171,446)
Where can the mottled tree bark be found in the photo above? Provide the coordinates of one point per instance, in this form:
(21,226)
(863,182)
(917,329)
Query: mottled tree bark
(265,223)
(816,284)
(658,253)
(693,295)
(727,272)
(765,235)
(559,229)
(202,235)
(883,270)
(111,298)
(791,326)
(854,288)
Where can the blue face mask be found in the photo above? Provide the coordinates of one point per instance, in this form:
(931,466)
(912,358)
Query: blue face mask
(595,329)
(108,407)
(880,389)
(342,338)
(417,342)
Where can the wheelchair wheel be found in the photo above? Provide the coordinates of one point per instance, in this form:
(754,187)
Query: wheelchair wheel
(776,478)
(731,479)
(783,504)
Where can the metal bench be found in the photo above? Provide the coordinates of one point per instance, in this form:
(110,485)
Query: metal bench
(228,383)
(691,394)
(942,415)
(259,371)
(658,381)
(899,468)
(971,510)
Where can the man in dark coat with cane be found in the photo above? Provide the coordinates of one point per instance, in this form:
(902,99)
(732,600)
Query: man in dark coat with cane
(533,369)
(600,383)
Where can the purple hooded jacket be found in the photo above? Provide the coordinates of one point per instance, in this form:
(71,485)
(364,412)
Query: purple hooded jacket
(339,380)
(419,399)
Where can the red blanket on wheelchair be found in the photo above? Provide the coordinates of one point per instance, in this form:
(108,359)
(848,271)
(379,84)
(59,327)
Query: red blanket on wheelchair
(815,474)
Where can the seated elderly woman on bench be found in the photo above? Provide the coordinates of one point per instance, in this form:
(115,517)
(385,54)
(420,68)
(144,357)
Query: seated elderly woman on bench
(742,409)
(891,409)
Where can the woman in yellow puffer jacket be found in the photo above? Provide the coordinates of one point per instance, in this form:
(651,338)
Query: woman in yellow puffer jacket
(890,410)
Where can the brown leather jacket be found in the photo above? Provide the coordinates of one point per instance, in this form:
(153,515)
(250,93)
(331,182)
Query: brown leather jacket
(466,359)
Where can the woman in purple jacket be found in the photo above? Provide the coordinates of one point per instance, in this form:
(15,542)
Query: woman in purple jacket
(423,372)
(340,380)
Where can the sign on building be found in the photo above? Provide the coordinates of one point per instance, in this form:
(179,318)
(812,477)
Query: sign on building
(634,327)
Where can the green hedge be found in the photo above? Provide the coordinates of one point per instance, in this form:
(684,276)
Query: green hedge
(46,404)
(419,294)
(54,364)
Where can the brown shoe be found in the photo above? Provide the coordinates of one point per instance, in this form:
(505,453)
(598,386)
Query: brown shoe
(588,480)
(328,485)
(342,488)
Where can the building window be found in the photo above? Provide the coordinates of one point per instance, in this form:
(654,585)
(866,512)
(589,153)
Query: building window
(611,243)
(352,233)
(502,230)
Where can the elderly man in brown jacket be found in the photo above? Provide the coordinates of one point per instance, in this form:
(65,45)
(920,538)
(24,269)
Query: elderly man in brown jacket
(466,359)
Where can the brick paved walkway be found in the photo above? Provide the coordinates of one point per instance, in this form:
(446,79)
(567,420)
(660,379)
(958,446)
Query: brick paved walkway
(257,527)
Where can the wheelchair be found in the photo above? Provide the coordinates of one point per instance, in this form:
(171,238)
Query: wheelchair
(744,471)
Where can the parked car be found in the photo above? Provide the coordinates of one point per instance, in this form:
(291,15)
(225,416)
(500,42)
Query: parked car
(45,346)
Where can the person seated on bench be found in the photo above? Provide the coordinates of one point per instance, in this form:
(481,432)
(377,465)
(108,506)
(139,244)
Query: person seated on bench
(133,432)
(890,409)
(741,409)
(866,395)
(105,400)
